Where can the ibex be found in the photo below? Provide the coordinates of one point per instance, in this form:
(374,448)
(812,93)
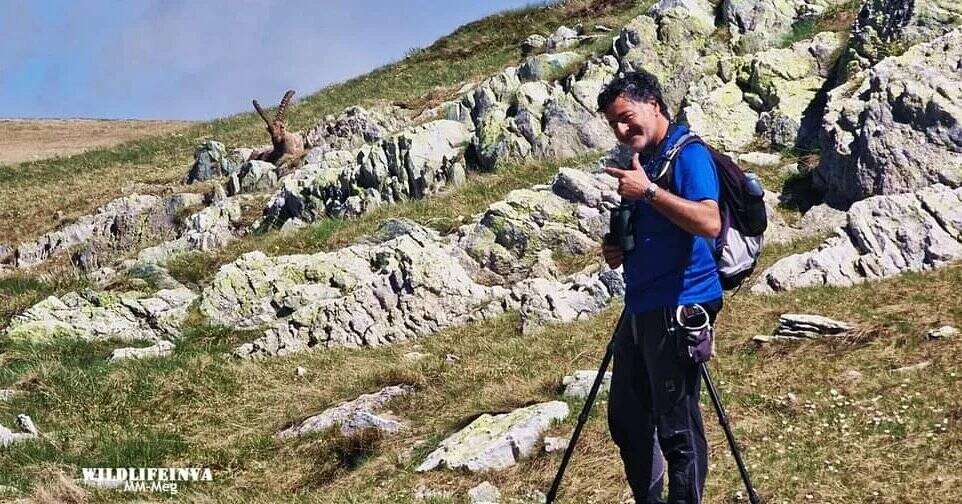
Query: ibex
(287,147)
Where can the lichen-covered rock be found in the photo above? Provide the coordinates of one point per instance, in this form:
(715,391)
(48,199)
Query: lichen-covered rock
(534,43)
(541,300)
(800,325)
(716,112)
(675,48)
(698,10)
(883,236)
(410,164)
(548,66)
(568,217)
(883,26)
(759,25)
(122,219)
(900,129)
(252,176)
(98,316)
(493,442)
(354,127)
(211,227)
(366,294)
(351,417)
(562,38)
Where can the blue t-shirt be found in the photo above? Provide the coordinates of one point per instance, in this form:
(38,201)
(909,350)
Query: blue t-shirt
(669,266)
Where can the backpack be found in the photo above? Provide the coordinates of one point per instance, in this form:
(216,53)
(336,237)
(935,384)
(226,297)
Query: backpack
(742,208)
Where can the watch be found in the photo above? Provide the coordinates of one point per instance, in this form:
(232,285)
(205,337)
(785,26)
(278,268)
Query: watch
(650,193)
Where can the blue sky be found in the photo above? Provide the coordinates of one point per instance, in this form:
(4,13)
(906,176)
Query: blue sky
(182,59)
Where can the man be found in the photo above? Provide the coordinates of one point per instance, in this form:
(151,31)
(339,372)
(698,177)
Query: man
(655,388)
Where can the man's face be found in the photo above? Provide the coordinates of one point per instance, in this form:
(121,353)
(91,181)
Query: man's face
(636,124)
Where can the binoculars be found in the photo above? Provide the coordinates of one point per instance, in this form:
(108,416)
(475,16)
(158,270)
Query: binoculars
(621,229)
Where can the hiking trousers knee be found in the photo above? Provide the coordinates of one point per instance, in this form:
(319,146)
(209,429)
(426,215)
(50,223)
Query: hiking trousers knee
(653,409)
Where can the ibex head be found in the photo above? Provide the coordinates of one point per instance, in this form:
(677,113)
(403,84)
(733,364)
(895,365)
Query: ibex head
(276,127)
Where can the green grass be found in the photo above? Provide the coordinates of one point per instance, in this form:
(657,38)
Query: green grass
(200,408)
(836,18)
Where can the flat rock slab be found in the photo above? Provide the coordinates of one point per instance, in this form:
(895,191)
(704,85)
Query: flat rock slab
(354,416)
(578,385)
(162,348)
(938,333)
(28,431)
(496,441)
(796,325)
(102,315)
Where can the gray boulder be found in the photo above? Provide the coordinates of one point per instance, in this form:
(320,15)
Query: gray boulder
(493,442)
(252,176)
(883,236)
(698,10)
(549,66)
(900,129)
(578,384)
(485,493)
(533,44)
(98,316)
(351,417)
(208,229)
(211,161)
(562,38)
(354,127)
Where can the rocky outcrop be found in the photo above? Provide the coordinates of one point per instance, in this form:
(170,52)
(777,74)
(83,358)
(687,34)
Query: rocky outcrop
(354,127)
(421,282)
(99,316)
(212,161)
(883,236)
(897,130)
(675,47)
(885,26)
(799,326)
(757,26)
(367,294)
(210,228)
(351,417)
(120,225)
(408,165)
(494,442)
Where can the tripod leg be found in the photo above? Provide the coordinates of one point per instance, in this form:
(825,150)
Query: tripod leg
(585,411)
(729,435)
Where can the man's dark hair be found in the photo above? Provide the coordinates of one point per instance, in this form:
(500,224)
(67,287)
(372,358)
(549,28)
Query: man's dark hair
(637,85)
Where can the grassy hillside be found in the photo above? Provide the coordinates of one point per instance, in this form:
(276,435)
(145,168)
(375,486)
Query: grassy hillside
(835,421)
(32,193)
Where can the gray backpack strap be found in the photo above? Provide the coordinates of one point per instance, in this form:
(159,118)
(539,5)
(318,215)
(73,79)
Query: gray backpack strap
(666,174)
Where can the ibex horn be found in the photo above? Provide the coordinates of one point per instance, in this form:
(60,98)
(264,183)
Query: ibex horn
(282,108)
(260,111)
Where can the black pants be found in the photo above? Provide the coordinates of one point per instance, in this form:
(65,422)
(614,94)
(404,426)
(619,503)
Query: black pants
(654,403)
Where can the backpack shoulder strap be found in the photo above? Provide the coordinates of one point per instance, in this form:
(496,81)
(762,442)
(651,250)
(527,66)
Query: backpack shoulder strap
(667,181)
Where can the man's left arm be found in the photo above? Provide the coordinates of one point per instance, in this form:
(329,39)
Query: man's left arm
(699,217)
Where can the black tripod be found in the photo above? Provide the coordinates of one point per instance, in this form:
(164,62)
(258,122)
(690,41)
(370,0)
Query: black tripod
(589,402)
